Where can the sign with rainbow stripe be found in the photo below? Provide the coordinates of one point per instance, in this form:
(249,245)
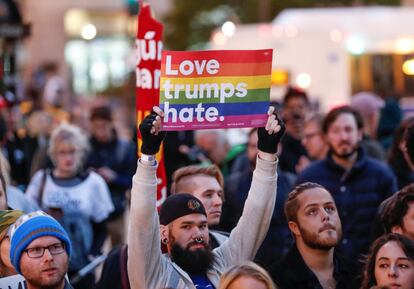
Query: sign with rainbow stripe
(215,89)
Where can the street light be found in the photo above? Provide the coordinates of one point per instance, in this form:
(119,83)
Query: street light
(88,32)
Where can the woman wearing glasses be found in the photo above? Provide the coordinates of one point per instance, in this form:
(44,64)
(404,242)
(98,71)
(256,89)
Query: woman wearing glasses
(78,199)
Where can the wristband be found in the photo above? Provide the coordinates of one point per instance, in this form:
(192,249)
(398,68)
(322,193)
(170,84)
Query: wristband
(147,158)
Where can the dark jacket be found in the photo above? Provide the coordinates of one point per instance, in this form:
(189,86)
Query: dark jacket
(67,285)
(292,273)
(402,170)
(292,150)
(358,193)
(120,156)
(278,239)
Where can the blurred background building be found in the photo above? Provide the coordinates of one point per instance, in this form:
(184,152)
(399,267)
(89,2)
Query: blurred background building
(357,45)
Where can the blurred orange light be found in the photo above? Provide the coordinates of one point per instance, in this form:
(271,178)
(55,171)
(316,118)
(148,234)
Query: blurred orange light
(408,67)
(280,77)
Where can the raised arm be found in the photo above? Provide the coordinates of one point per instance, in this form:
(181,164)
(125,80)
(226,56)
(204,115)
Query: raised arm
(144,253)
(248,235)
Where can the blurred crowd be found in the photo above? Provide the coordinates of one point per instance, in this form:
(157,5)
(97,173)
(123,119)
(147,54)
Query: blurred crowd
(344,195)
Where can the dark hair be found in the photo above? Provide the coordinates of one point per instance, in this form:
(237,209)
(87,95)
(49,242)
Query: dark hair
(292,204)
(396,159)
(3,183)
(3,127)
(101,112)
(406,244)
(334,113)
(396,208)
(409,138)
(293,92)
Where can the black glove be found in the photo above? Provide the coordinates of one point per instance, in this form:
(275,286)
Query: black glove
(268,142)
(150,142)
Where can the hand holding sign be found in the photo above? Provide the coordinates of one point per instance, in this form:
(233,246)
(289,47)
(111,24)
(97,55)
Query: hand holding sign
(151,133)
(215,89)
(269,136)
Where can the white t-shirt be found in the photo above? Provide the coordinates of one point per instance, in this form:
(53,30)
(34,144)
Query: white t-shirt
(90,197)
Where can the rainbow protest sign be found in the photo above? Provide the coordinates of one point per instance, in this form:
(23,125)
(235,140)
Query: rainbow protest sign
(215,89)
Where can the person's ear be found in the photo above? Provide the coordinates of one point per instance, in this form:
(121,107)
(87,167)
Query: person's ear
(294,228)
(397,230)
(164,234)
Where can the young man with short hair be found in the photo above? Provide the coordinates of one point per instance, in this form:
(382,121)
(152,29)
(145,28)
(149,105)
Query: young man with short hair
(312,262)
(357,182)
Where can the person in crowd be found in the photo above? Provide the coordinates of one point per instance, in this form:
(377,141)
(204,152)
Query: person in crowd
(390,262)
(78,198)
(312,262)
(55,92)
(206,184)
(296,108)
(203,182)
(314,142)
(214,147)
(357,182)
(40,125)
(247,275)
(369,106)
(14,197)
(397,212)
(114,159)
(7,218)
(177,147)
(409,143)
(184,227)
(17,145)
(399,159)
(3,195)
(278,238)
(390,119)
(40,250)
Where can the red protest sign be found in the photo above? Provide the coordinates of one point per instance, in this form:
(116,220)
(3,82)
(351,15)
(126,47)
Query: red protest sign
(149,51)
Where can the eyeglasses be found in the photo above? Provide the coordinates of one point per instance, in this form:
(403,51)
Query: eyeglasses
(38,252)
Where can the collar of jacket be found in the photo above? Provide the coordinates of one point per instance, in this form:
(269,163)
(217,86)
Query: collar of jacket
(298,272)
(359,164)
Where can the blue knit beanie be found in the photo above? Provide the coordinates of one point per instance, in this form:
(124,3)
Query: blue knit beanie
(30,227)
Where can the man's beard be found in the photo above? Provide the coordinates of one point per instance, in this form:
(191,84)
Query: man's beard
(344,155)
(314,241)
(51,285)
(193,262)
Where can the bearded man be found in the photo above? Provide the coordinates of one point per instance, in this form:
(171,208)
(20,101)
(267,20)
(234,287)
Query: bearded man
(312,262)
(357,182)
(183,224)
